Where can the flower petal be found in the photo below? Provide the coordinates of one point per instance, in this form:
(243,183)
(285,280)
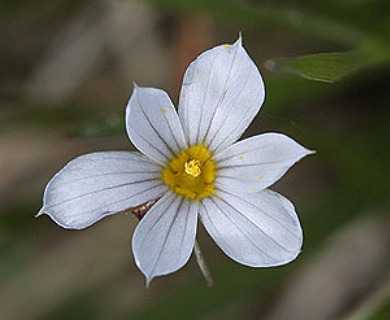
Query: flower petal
(257,230)
(222,92)
(256,163)
(95,185)
(153,124)
(164,239)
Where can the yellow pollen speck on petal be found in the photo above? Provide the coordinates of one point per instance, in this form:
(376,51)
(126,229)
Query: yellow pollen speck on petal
(240,157)
(260,178)
(226,46)
(254,189)
(191,173)
(162,110)
(170,108)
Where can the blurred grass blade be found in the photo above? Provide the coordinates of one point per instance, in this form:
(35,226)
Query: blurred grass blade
(325,67)
(286,16)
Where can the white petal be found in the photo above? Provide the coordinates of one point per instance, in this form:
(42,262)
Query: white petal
(95,185)
(164,239)
(257,230)
(222,92)
(256,163)
(153,124)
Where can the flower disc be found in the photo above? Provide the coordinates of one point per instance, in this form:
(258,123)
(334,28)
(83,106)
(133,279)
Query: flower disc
(191,173)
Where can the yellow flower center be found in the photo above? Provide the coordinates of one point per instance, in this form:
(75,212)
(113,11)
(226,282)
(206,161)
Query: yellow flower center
(191,173)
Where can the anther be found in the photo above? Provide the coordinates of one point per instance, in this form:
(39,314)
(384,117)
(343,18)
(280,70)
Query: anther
(192,168)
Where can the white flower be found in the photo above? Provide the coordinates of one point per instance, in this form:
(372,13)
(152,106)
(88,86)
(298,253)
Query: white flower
(190,161)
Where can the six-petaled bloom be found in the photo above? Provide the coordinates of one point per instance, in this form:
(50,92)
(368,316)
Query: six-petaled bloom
(190,162)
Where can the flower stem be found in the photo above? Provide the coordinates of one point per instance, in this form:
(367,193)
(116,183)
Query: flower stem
(202,264)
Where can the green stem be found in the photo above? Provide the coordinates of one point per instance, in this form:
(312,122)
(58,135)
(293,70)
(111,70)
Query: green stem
(202,264)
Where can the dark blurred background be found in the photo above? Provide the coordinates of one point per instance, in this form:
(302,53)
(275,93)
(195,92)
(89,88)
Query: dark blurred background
(66,73)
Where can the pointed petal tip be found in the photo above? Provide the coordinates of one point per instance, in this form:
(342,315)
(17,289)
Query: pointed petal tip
(309,152)
(40,212)
(148,281)
(238,42)
(306,152)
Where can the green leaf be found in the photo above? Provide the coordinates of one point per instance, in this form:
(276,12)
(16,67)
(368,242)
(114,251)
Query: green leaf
(325,67)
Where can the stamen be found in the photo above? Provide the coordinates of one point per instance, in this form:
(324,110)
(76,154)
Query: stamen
(192,168)
(191,173)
